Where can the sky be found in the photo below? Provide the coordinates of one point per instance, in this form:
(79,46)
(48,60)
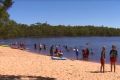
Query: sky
(67,12)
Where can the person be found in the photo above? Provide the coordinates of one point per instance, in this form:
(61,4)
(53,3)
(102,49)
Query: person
(60,54)
(35,46)
(40,47)
(44,46)
(91,51)
(22,45)
(102,60)
(66,48)
(85,53)
(56,51)
(77,52)
(113,57)
(51,50)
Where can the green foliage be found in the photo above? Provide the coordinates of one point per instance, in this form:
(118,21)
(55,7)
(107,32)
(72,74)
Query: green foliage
(4,6)
(7,4)
(13,30)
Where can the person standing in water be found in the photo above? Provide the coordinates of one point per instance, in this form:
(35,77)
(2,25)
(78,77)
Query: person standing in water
(87,53)
(35,46)
(113,57)
(76,52)
(102,60)
(44,46)
(66,48)
(51,50)
(40,47)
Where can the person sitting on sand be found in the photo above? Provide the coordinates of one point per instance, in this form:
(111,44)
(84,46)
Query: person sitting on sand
(60,53)
(113,57)
(102,59)
(56,52)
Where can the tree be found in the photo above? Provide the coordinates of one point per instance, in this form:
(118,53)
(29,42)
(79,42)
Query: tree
(4,6)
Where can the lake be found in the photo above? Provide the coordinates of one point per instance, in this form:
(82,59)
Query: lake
(94,44)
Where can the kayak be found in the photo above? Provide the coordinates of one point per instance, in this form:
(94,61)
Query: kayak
(59,58)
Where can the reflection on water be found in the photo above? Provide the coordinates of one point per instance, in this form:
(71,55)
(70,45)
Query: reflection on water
(94,44)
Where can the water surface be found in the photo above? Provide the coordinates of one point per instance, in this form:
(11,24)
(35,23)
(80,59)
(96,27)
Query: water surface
(94,44)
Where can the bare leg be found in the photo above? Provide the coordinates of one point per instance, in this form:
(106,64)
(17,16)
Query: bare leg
(77,57)
(103,68)
(114,67)
(111,67)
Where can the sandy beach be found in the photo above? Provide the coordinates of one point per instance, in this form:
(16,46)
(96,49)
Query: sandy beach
(21,64)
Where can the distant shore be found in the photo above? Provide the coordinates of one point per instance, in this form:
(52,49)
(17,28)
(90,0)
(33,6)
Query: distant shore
(24,64)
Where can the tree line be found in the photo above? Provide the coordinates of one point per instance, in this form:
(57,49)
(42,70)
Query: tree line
(11,29)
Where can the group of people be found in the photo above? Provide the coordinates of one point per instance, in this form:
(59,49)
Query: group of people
(113,58)
(57,52)
(85,53)
(18,45)
(40,46)
(54,51)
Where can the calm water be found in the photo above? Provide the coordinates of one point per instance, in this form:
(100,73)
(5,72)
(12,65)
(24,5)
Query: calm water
(95,43)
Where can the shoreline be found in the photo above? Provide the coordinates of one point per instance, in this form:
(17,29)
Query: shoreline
(89,60)
(47,54)
(22,63)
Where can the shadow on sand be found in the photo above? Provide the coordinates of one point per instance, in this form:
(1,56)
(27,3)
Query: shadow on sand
(19,77)
(97,71)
